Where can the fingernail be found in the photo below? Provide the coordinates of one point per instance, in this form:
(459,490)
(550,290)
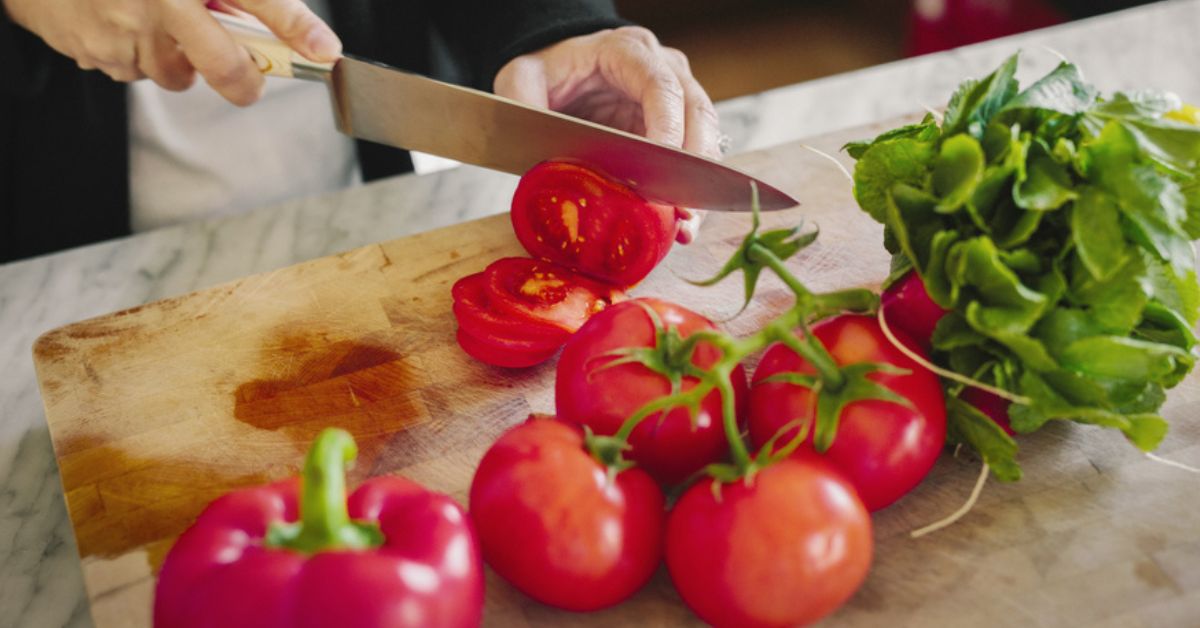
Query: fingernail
(324,44)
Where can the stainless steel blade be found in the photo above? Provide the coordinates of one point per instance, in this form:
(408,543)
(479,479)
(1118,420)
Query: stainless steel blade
(385,105)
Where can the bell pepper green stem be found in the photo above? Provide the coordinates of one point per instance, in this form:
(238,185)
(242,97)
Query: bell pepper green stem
(325,522)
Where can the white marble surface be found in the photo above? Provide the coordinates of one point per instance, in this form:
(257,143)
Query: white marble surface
(40,580)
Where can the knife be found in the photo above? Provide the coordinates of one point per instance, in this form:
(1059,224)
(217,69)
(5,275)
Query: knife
(378,103)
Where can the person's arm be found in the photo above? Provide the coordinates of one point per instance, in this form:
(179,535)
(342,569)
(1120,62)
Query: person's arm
(26,59)
(490,33)
(168,41)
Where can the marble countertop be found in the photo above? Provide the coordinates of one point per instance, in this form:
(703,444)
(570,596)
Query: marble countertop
(40,579)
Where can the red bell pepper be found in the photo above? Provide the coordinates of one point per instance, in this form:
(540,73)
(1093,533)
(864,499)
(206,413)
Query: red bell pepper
(394,554)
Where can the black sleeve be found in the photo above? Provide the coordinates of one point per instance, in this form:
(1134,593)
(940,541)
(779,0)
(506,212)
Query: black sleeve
(489,33)
(26,58)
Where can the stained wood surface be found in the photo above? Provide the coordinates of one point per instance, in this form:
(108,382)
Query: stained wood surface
(157,410)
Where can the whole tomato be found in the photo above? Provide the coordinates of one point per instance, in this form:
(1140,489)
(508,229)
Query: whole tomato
(884,448)
(586,392)
(552,522)
(784,547)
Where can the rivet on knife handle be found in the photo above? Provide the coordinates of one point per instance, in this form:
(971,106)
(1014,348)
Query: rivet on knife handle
(272,56)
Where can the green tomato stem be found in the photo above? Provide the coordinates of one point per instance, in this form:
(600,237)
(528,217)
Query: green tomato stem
(811,349)
(737,446)
(770,260)
(325,522)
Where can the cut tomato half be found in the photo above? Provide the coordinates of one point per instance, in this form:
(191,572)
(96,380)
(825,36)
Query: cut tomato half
(539,292)
(498,352)
(475,316)
(573,216)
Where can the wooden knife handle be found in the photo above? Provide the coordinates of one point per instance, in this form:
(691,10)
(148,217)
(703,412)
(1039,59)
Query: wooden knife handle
(272,56)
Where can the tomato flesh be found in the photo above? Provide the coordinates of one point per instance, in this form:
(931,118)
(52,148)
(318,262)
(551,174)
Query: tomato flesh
(545,293)
(497,352)
(783,549)
(475,316)
(885,449)
(671,448)
(551,524)
(573,216)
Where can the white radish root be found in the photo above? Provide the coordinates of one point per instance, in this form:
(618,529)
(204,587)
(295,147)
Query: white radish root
(957,514)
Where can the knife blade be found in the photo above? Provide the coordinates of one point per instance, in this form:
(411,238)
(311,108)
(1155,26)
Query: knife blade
(378,103)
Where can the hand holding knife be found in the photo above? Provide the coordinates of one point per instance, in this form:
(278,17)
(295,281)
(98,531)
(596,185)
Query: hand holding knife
(378,103)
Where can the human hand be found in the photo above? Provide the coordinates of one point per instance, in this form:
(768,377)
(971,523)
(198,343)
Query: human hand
(621,78)
(169,41)
(625,79)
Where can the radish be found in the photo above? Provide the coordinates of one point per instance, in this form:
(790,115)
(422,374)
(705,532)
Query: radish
(909,308)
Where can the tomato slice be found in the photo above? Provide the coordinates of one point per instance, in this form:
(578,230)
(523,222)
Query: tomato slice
(501,352)
(545,293)
(573,216)
(475,316)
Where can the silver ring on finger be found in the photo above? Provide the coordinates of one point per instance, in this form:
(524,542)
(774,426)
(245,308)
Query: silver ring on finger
(724,144)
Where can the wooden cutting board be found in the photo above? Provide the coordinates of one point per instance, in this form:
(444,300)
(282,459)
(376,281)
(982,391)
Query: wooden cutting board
(156,410)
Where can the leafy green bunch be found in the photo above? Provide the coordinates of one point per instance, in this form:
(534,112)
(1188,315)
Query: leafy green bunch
(1056,226)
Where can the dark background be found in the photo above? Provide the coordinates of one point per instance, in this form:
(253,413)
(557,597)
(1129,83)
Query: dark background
(740,47)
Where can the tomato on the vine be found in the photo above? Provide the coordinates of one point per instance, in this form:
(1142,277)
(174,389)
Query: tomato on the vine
(590,391)
(573,216)
(784,547)
(884,448)
(552,522)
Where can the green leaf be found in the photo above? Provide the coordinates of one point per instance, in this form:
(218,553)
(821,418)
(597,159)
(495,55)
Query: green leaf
(1097,233)
(1062,91)
(1164,325)
(1114,303)
(1145,430)
(1062,327)
(1014,226)
(952,332)
(1003,303)
(1176,290)
(1119,357)
(1143,103)
(997,141)
(913,216)
(1152,205)
(1172,144)
(966,424)
(1029,350)
(926,130)
(956,171)
(882,166)
(975,102)
(1047,185)
(937,282)
(1022,261)
(899,267)
(995,184)
(1191,195)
